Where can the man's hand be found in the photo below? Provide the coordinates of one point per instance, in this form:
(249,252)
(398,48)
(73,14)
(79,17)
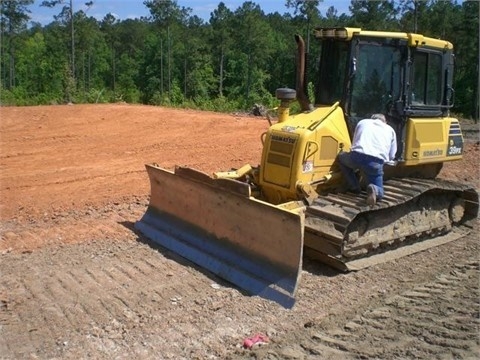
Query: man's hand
(391,163)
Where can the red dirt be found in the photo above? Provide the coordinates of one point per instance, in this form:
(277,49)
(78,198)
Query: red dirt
(55,159)
(76,281)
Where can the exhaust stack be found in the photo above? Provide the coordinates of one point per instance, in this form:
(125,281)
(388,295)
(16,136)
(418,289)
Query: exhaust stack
(300,85)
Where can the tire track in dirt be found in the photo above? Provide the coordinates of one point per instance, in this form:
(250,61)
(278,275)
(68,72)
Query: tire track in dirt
(125,299)
(89,296)
(438,319)
(114,221)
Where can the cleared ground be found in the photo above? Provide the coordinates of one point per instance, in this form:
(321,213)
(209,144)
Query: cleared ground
(76,281)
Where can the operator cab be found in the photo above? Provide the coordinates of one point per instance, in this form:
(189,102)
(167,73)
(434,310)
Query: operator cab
(398,74)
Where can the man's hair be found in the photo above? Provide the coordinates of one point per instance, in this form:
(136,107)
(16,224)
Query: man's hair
(379,117)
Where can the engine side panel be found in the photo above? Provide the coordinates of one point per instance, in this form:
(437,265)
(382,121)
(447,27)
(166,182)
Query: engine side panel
(301,150)
(431,140)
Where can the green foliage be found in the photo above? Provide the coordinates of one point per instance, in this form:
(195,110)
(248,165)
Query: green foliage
(467,95)
(219,104)
(96,96)
(235,60)
(8,97)
(69,84)
(374,15)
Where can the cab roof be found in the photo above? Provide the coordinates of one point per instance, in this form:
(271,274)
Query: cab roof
(413,39)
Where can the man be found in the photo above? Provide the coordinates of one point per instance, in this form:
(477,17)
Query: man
(374,143)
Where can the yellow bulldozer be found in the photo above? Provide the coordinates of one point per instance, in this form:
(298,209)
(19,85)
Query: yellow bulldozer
(253,225)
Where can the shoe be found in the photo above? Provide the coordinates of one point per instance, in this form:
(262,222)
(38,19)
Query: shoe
(371,195)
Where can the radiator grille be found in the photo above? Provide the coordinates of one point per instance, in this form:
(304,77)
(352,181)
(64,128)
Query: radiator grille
(278,159)
(280,153)
(281,147)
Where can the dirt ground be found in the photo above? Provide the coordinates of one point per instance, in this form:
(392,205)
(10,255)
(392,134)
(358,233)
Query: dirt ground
(76,280)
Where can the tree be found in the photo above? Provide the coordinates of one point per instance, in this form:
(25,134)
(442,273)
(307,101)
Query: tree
(198,76)
(444,17)
(67,15)
(374,15)
(282,70)
(254,46)
(467,51)
(412,13)
(14,16)
(130,37)
(333,20)
(92,54)
(220,20)
(166,14)
(307,10)
(108,27)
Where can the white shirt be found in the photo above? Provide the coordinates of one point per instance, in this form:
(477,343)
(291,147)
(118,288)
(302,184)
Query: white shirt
(375,138)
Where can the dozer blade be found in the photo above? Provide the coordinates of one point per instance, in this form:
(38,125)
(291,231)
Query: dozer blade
(216,224)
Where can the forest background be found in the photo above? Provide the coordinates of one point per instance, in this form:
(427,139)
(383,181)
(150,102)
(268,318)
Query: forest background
(232,61)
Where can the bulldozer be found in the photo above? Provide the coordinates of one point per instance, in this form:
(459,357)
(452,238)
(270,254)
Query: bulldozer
(253,225)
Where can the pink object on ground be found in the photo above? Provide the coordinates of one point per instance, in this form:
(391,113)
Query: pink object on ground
(256,339)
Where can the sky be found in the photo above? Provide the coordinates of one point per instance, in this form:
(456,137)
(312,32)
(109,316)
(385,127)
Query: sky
(131,9)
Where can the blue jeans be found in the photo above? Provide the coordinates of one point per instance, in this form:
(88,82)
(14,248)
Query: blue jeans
(370,166)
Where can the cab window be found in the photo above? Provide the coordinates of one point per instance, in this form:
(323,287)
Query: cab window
(427,79)
(376,82)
